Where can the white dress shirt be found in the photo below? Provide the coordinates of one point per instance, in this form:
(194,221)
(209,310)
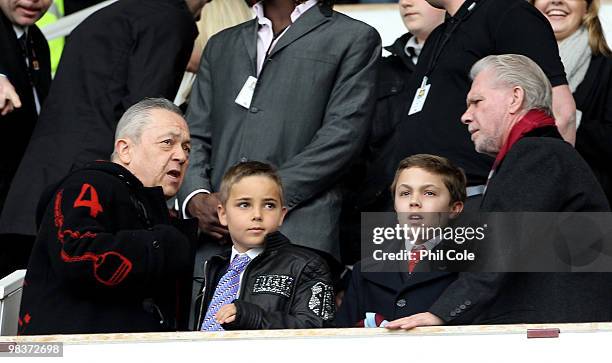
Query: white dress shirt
(416,48)
(265,36)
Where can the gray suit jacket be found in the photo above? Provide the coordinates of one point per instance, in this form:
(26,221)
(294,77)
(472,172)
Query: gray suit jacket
(309,114)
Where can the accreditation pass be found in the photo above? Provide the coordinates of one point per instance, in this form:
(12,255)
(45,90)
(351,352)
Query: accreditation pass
(419,98)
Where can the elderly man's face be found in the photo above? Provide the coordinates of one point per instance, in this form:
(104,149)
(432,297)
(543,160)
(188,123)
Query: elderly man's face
(161,156)
(24,12)
(487,114)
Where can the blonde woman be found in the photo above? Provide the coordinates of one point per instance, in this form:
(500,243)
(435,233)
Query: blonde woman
(216,16)
(588,64)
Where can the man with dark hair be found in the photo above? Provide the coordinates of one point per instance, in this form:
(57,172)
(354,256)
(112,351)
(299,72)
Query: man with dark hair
(25,76)
(117,56)
(108,257)
(293,87)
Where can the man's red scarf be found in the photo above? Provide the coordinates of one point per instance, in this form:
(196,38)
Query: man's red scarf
(534,119)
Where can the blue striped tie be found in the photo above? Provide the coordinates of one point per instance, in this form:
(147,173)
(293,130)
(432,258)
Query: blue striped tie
(225,292)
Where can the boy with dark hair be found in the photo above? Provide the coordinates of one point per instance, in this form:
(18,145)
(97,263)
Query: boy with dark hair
(266,282)
(427,191)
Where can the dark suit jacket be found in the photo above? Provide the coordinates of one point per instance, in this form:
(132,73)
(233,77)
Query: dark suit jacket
(594,98)
(123,53)
(540,173)
(394,295)
(309,114)
(18,125)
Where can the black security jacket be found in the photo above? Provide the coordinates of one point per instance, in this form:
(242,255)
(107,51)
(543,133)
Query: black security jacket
(285,287)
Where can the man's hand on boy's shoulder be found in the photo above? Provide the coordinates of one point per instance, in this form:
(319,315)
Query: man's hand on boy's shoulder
(413,321)
(226,314)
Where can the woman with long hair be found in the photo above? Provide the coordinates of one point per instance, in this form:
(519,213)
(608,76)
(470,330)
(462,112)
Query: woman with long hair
(586,57)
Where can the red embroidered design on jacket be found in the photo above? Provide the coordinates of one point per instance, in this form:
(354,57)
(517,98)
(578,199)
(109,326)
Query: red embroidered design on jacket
(93,203)
(116,266)
(22,323)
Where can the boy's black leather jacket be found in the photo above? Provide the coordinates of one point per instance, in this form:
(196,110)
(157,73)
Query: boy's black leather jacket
(285,287)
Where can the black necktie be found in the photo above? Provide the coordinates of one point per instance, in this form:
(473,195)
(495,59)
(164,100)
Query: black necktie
(23,44)
(25,52)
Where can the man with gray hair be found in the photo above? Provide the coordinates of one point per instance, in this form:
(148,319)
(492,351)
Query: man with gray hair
(509,118)
(108,257)
(508,115)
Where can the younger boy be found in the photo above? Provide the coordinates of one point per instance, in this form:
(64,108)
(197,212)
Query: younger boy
(266,282)
(427,191)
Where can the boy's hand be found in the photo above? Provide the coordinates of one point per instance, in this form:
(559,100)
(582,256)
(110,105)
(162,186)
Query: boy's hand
(412,321)
(226,314)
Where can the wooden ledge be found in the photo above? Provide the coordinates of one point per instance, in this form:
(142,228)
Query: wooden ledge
(307,333)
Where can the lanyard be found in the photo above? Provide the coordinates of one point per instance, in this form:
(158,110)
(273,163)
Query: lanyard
(441,41)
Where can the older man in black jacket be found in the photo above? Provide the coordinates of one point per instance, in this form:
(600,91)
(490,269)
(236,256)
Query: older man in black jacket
(108,258)
(509,118)
(25,76)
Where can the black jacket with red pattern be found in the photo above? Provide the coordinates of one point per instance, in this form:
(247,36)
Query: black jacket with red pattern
(107,259)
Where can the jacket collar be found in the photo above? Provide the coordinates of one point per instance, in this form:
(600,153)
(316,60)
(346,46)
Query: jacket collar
(117,170)
(273,242)
(398,49)
(307,22)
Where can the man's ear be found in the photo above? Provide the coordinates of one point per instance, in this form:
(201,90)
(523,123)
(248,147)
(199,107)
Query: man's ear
(222,215)
(122,151)
(283,214)
(455,210)
(518,97)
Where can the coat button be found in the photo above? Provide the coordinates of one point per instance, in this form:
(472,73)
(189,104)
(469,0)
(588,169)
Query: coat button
(462,307)
(155,244)
(393,89)
(401,303)
(253,109)
(468,302)
(458,311)
(452,313)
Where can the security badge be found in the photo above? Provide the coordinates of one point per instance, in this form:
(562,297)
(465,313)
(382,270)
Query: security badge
(245,96)
(273,284)
(419,98)
(321,301)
